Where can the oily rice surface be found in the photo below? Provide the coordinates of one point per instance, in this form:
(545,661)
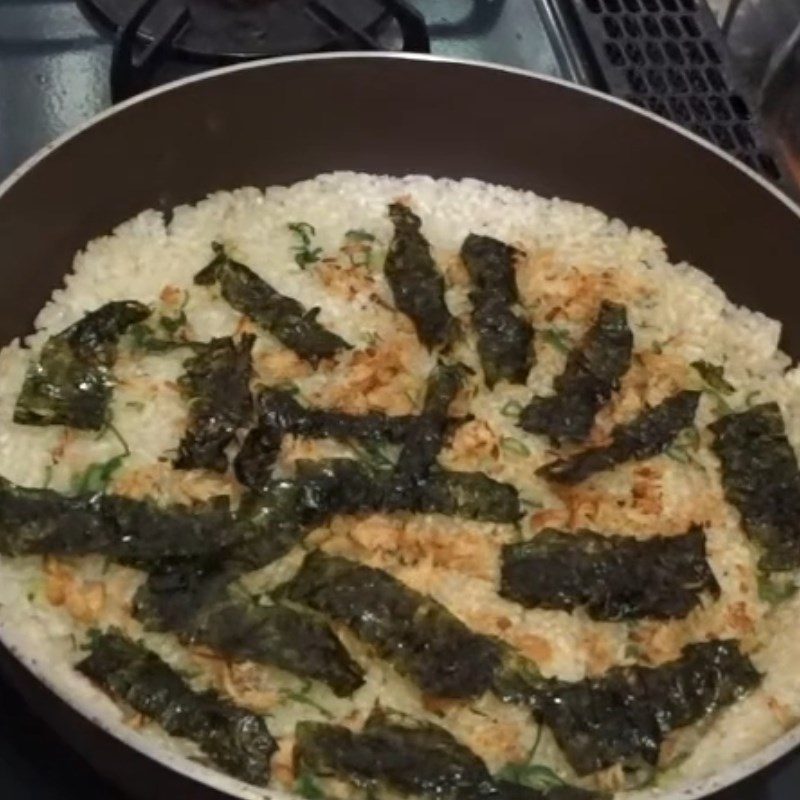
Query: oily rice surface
(575,257)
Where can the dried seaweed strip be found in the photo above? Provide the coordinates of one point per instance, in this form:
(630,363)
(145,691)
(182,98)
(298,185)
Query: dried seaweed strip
(71,382)
(412,758)
(42,521)
(644,437)
(284,317)
(415,280)
(418,635)
(203,608)
(236,740)
(761,479)
(217,385)
(613,577)
(622,716)
(426,434)
(592,373)
(280,413)
(504,336)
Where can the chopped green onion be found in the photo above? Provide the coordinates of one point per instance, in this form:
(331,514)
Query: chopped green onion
(511,409)
(514,446)
(557,338)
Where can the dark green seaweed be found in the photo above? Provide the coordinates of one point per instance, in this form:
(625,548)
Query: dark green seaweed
(266,525)
(619,717)
(613,577)
(217,385)
(415,280)
(592,373)
(42,521)
(71,382)
(418,635)
(504,336)
(280,413)
(644,437)
(204,608)
(622,716)
(236,740)
(426,434)
(761,479)
(285,318)
(411,757)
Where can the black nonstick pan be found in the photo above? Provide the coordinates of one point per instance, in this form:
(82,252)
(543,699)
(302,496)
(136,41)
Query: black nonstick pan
(288,119)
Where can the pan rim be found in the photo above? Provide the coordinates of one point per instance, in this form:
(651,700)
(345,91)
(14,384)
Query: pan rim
(692,789)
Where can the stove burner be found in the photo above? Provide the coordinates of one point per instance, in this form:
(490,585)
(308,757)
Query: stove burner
(148,32)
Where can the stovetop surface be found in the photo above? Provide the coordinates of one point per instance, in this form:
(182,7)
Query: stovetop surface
(54,70)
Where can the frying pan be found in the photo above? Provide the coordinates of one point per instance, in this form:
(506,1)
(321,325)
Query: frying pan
(280,121)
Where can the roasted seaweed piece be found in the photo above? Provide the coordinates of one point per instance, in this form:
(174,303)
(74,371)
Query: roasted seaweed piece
(411,757)
(236,740)
(285,318)
(504,337)
(644,437)
(761,479)
(613,577)
(469,495)
(418,635)
(622,716)
(139,533)
(205,608)
(71,382)
(426,434)
(592,373)
(280,413)
(217,384)
(415,280)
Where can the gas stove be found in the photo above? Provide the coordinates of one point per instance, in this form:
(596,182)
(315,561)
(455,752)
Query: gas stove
(62,61)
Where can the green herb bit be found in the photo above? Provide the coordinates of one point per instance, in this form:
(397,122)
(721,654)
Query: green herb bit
(511,409)
(534,776)
(750,398)
(359,235)
(774,589)
(713,376)
(304,254)
(371,454)
(306,786)
(529,502)
(98,475)
(557,338)
(514,446)
(303,698)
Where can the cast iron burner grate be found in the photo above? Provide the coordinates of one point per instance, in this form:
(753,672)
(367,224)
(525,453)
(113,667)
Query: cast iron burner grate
(149,32)
(669,56)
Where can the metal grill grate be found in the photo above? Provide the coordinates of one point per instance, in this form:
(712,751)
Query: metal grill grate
(669,56)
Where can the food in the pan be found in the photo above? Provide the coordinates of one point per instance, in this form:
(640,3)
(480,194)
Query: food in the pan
(414,758)
(288,320)
(420,636)
(204,607)
(761,479)
(217,386)
(417,284)
(504,335)
(613,577)
(378,488)
(238,741)
(649,434)
(70,382)
(593,372)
